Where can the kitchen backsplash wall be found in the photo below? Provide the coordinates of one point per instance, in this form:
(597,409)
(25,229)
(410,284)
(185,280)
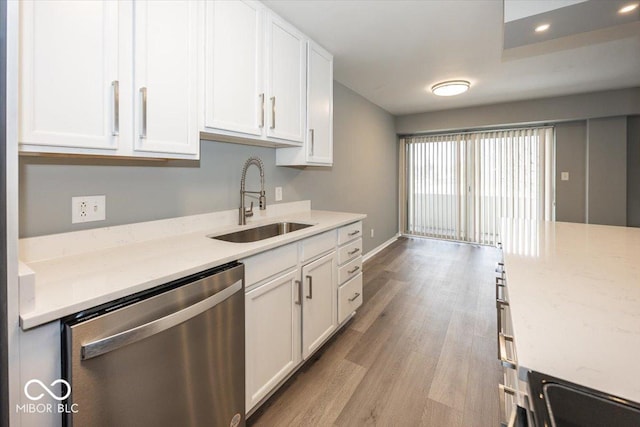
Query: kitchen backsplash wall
(363,179)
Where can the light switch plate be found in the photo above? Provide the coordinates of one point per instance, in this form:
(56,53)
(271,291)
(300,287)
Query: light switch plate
(88,208)
(278,194)
(564,176)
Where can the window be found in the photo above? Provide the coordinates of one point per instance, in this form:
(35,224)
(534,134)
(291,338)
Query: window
(459,186)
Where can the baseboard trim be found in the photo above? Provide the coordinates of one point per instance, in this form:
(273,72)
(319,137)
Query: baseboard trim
(374,251)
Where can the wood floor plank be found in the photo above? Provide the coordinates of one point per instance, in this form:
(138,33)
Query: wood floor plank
(420,350)
(376,305)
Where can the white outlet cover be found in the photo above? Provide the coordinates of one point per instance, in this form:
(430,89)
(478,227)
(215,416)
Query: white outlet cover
(88,209)
(278,194)
(564,176)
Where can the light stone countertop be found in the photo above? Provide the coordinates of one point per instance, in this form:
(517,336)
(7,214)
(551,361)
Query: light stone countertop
(68,284)
(574,294)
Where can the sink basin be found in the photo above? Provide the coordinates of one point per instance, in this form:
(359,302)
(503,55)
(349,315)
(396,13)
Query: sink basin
(261,233)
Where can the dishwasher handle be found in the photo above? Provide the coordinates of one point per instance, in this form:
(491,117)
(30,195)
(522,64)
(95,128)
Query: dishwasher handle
(130,336)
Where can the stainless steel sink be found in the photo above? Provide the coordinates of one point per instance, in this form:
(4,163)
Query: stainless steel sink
(261,233)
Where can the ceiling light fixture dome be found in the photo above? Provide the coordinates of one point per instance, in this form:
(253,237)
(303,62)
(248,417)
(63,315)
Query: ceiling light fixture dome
(628,8)
(542,28)
(450,88)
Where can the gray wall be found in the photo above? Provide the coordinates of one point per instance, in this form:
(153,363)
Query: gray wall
(610,103)
(607,171)
(633,171)
(571,156)
(363,179)
(591,144)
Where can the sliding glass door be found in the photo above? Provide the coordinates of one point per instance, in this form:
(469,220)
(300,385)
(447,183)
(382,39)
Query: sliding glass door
(459,186)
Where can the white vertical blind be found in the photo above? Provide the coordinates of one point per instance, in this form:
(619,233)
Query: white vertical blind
(459,186)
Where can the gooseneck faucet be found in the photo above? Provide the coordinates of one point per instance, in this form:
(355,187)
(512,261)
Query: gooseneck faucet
(244,213)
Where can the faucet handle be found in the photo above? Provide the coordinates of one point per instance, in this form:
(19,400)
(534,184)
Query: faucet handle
(249,211)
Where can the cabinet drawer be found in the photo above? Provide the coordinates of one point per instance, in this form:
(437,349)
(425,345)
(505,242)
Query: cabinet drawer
(267,264)
(349,297)
(317,245)
(349,232)
(350,251)
(349,270)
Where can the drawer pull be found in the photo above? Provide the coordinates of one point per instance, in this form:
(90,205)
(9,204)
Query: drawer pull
(353,233)
(355,297)
(509,420)
(355,251)
(504,359)
(356,268)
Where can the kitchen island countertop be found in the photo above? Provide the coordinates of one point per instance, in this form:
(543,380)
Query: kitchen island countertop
(574,295)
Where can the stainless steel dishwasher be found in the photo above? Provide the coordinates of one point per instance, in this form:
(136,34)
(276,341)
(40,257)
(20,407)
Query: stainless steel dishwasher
(171,356)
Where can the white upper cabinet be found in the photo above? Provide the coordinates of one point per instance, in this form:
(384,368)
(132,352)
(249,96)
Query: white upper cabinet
(234,93)
(318,147)
(255,75)
(166,76)
(79,93)
(70,75)
(286,76)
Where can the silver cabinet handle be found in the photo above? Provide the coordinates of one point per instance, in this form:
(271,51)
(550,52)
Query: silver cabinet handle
(504,358)
(355,251)
(500,299)
(143,113)
(130,336)
(356,268)
(310,296)
(355,297)
(312,141)
(503,391)
(115,85)
(262,110)
(353,233)
(299,300)
(273,112)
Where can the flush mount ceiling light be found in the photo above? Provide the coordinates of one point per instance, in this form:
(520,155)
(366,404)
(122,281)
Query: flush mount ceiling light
(450,88)
(543,27)
(628,8)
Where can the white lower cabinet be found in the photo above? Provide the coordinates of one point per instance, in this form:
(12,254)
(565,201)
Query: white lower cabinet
(349,297)
(291,309)
(272,322)
(318,303)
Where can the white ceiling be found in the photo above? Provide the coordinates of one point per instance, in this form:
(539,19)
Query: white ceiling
(391,52)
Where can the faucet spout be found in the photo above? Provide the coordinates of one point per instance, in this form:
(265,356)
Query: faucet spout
(244,213)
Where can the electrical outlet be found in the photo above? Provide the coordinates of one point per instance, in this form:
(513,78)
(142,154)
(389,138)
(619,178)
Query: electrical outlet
(88,208)
(564,176)
(278,194)
(372,233)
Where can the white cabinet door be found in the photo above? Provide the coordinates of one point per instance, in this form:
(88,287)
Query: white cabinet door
(272,315)
(69,69)
(234,93)
(286,81)
(166,76)
(318,302)
(320,105)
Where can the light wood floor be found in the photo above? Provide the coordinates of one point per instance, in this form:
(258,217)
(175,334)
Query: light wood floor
(421,351)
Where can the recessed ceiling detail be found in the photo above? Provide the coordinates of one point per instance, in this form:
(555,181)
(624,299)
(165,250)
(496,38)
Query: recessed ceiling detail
(577,18)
